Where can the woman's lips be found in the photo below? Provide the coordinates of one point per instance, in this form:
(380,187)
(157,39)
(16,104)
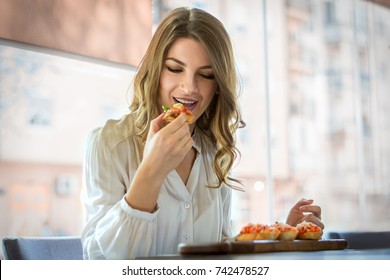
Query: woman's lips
(190,104)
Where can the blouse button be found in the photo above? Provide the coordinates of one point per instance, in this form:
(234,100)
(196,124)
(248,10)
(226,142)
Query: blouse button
(187,205)
(186,235)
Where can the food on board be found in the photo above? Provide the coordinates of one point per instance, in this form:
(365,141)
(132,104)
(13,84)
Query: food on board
(287,232)
(258,232)
(280,231)
(309,230)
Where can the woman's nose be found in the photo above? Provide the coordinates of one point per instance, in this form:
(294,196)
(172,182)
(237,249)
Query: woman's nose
(189,85)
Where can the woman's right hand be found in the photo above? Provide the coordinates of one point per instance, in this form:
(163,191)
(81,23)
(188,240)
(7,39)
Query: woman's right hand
(166,146)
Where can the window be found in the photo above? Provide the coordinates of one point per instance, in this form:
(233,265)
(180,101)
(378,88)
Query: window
(329,13)
(49,101)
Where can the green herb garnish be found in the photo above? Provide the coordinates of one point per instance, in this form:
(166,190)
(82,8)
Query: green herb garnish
(165,108)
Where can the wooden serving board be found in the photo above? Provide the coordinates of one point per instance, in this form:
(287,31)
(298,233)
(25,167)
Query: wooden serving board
(263,246)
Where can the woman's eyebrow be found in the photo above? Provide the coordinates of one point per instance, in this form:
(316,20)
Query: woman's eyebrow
(183,64)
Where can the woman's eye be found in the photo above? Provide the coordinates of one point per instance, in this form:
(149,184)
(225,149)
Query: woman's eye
(174,70)
(207,76)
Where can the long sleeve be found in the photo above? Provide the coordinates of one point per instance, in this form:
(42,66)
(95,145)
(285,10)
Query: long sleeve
(114,230)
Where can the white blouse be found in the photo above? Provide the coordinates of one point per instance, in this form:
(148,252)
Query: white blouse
(191,213)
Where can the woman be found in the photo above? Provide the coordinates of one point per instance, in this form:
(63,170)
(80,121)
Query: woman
(149,185)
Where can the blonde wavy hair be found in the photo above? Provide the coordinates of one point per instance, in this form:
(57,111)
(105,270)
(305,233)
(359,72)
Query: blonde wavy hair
(222,118)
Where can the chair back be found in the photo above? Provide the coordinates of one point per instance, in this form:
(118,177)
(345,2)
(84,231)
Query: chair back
(42,248)
(363,239)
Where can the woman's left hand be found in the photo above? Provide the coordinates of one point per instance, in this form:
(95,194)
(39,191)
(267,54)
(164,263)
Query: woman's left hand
(304,210)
